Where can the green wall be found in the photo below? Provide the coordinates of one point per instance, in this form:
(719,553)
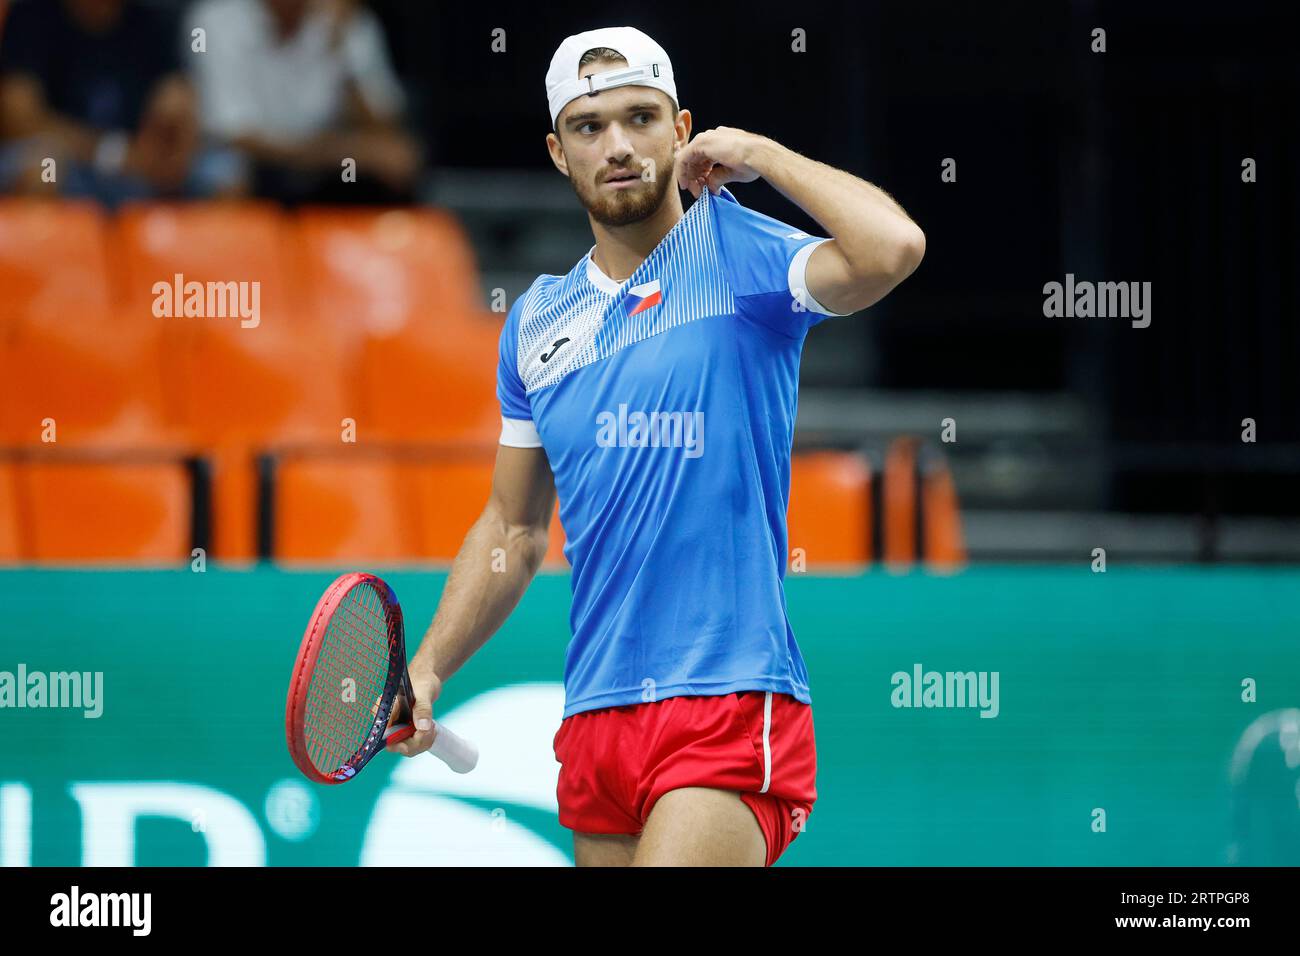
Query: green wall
(1120,691)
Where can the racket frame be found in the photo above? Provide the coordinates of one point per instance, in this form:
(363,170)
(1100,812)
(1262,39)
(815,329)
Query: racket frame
(397,679)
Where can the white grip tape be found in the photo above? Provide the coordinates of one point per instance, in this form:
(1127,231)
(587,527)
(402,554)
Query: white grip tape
(456,752)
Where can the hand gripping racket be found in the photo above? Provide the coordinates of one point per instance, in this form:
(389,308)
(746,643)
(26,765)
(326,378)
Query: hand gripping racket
(350,668)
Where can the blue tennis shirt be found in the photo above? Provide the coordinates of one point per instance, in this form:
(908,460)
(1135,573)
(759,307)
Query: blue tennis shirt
(666,407)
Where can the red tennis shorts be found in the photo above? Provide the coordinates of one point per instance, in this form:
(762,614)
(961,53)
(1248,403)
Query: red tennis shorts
(616,762)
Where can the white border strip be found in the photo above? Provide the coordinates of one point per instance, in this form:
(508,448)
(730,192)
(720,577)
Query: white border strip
(767,746)
(797,278)
(519,433)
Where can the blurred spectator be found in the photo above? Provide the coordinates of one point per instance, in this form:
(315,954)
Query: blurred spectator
(298,86)
(96,86)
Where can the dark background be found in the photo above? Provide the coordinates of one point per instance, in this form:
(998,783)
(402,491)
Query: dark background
(1122,166)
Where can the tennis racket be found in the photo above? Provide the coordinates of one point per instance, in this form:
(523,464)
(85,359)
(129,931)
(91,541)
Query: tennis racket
(350,668)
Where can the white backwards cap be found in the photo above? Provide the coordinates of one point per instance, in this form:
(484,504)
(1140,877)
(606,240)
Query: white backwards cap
(647,65)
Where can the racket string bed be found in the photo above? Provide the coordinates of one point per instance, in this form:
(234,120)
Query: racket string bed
(351,648)
(357,645)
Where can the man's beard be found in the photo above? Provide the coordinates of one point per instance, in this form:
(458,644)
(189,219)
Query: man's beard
(622,207)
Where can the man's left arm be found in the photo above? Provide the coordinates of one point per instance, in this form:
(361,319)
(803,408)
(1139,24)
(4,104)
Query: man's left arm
(874,244)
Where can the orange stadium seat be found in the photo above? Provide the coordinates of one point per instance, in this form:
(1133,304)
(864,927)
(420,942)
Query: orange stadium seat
(334,509)
(83,383)
(449,497)
(401,287)
(105,511)
(234,502)
(899,502)
(239,392)
(11,548)
(53,260)
(233,386)
(944,546)
(420,387)
(829,517)
(258,387)
(919,495)
(378,507)
(386,272)
(206,242)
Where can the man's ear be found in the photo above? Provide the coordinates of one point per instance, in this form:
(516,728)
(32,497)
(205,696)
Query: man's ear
(683,128)
(556,149)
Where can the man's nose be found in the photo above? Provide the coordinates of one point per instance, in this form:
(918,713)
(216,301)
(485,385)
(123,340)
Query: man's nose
(618,146)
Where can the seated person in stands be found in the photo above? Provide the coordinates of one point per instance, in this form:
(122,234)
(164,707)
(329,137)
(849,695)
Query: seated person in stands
(96,87)
(305,91)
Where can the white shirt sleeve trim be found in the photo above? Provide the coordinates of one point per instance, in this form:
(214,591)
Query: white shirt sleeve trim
(798,279)
(519,433)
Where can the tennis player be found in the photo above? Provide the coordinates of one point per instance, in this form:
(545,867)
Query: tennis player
(654,388)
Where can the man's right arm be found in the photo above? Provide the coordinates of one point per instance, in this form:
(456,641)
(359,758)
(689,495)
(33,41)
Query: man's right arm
(485,583)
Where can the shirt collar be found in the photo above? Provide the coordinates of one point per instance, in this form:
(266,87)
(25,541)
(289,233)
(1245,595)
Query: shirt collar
(597,278)
(607,285)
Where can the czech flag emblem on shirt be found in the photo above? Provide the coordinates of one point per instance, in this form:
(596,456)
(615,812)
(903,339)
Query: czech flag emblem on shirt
(642,297)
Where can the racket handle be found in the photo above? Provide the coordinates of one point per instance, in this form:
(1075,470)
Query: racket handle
(456,752)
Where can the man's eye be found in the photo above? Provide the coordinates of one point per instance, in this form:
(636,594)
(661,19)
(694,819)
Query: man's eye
(587,128)
(644,116)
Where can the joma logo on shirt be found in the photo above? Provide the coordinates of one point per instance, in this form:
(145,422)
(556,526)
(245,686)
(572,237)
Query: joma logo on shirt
(626,429)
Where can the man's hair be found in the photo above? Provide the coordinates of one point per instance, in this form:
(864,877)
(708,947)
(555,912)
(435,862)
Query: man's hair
(600,54)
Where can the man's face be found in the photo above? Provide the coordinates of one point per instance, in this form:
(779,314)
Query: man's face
(619,147)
